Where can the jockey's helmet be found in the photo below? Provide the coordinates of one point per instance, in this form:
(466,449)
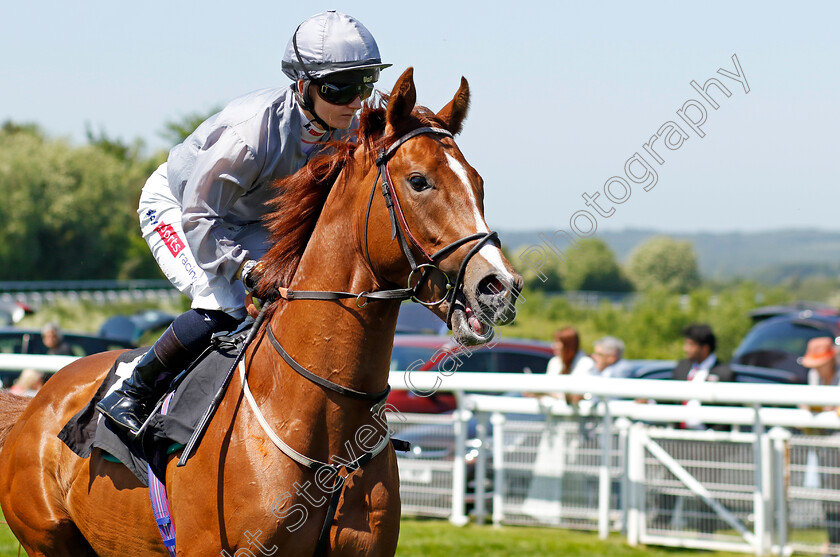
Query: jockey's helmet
(332,46)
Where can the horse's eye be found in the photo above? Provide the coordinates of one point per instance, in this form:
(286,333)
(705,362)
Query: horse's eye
(418,182)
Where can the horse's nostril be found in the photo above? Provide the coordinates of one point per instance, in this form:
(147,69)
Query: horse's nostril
(491,286)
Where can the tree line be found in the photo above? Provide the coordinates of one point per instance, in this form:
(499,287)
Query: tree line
(70,212)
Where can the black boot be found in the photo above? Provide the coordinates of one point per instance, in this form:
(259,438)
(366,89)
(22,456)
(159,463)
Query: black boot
(129,406)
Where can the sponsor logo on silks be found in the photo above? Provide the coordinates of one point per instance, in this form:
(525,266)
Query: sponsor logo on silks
(170,238)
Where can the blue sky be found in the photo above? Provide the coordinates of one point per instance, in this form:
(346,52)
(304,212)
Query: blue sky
(564,93)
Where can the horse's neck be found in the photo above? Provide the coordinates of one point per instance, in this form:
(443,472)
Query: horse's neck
(338,341)
(341,338)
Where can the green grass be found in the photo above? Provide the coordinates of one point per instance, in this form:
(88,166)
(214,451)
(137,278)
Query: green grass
(439,538)
(8,543)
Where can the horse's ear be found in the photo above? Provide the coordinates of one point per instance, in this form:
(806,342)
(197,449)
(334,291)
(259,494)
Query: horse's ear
(454,113)
(402,99)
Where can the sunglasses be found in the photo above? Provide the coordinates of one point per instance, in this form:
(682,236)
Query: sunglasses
(344,94)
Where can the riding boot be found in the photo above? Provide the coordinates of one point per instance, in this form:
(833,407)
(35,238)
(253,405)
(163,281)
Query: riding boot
(129,406)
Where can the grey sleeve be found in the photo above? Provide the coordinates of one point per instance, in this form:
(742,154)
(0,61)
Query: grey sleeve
(225,169)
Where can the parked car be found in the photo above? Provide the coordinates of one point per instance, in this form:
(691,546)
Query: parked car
(766,312)
(779,342)
(434,353)
(418,319)
(130,328)
(742,373)
(28,341)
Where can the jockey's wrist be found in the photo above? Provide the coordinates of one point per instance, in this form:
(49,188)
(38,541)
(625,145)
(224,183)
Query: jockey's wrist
(246,266)
(251,272)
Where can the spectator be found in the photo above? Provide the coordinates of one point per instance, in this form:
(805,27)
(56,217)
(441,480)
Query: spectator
(27,383)
(700,363)
(821,360)
(569,359)
(608,354)
(53,341)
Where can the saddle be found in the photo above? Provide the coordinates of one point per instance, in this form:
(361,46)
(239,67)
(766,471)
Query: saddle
(192,392)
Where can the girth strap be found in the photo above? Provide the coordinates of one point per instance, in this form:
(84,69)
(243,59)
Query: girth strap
(326,383)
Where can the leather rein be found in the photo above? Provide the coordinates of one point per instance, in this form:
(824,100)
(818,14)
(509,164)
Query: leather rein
(399,230)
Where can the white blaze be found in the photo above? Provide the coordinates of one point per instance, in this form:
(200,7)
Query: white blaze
(489,252)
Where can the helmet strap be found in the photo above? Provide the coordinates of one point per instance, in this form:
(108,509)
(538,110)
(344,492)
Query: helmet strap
(305,100)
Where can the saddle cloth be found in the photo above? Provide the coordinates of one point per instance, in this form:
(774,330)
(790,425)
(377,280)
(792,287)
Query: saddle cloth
(194,391)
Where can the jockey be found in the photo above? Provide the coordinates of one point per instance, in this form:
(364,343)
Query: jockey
(201,211)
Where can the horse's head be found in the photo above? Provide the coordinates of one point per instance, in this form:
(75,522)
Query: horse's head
(439,212)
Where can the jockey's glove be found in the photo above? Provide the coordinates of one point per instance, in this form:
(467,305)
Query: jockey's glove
(250,273)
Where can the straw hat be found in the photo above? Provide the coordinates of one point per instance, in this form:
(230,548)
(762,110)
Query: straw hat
(820,350)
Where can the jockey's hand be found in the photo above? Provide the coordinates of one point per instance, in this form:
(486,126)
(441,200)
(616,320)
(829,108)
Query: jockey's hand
(250,273)
(251,305)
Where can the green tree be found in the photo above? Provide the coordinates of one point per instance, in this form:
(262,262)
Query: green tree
(593,267)
(549,278)
(665,263)
(68,212)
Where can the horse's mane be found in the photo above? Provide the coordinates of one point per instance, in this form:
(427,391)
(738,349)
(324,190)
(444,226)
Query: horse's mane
(301,196)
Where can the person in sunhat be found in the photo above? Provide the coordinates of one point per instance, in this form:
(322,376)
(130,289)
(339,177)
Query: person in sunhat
(821,359)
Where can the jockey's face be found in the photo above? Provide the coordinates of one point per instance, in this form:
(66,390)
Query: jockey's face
(339,116)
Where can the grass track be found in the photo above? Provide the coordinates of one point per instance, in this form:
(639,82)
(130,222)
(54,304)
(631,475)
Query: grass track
(438,538)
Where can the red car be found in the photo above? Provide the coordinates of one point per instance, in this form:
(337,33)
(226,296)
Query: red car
(418,353)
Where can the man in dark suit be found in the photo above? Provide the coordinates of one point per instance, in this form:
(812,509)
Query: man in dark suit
(700,363)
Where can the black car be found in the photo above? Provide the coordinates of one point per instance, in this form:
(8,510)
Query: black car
(130,328)
(779,342)
(28,341)
(742,373)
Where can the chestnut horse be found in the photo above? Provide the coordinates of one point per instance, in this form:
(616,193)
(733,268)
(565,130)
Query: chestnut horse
(239,494)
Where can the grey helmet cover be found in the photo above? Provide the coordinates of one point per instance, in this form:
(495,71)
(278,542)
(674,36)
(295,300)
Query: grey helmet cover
(328,43)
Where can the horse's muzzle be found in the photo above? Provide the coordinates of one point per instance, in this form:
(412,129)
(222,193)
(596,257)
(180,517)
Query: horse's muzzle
(484,303)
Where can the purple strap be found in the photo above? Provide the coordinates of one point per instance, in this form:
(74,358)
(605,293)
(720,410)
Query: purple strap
(160,503)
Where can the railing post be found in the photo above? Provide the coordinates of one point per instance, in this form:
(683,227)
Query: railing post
(458,516)
(759,497)
(636,478)
(482,428)
(604,479)
(498,421)
(780,437)
(622,424)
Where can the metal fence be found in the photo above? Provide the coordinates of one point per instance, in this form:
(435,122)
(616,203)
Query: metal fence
(741,487)
(426,478)
(38,293)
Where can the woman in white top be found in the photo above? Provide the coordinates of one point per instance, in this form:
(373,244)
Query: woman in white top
(569,358)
